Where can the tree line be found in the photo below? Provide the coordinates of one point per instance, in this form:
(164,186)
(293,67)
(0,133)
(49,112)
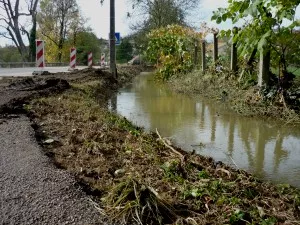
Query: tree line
(58,22)
(62,25)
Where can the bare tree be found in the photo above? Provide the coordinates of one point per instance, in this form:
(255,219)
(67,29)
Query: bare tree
(152,14)
(160,13)
(11,13)
(55,19)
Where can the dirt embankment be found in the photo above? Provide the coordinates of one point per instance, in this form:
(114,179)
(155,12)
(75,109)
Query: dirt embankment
(242,97)
(140,178)
(14,92)
(33,190)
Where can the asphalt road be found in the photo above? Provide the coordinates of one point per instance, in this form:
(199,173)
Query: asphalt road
(27,71)
(32,190)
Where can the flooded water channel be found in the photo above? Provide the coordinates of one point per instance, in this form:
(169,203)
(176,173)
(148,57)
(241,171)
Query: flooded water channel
(265,148)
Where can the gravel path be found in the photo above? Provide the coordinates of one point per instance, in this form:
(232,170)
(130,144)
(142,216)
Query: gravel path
(32,190)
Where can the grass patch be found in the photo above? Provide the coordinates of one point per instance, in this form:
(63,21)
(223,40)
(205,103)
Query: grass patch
(140,180)
(242,98)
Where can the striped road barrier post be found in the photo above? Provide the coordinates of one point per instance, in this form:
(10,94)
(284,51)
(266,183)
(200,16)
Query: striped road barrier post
(73,58)
(40,57)
(90,59)
(102,62)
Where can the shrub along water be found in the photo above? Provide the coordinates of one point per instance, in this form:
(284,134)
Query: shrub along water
(170,48)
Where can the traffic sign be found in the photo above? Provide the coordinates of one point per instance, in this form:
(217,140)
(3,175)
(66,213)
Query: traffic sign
(118,38)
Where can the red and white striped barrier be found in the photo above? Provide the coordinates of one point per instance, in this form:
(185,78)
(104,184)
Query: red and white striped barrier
(90,59)
(40,56)
(102,61)
(73,58)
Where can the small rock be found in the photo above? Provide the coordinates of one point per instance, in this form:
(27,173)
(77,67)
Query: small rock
(261,211)
(49,141)
(119,172)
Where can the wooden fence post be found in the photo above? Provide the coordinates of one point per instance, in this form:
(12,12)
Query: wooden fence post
(264,68)
(233,62)
(215,54)
(196,53)
(203,57)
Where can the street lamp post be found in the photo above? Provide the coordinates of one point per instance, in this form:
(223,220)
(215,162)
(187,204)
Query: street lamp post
(112,40)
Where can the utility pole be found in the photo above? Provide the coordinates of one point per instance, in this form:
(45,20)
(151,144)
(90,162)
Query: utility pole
(112,40)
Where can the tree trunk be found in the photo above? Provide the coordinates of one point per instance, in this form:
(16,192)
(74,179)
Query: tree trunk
(10,17)
(32,38)
(21,46)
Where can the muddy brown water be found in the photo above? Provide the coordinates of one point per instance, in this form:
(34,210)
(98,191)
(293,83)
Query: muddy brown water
(265,148)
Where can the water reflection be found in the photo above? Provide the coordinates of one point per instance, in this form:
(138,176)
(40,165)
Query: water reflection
(258,146)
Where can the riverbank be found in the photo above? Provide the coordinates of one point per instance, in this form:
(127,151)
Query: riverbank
(242,98)
(140,178)
(33,190)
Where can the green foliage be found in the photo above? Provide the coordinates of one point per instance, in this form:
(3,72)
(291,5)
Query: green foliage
(203,174)
(10,54)
(265,28)
(123,123)
(124,51)
(236,217)
(170,48)
(269,221)
(87,41)
(171,171)
(59,23)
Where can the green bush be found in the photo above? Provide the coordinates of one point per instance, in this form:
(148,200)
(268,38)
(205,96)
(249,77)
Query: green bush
(171,49)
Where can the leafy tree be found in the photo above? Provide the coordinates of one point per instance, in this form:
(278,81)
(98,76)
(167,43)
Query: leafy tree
(10,53)
(124,50)
(56,17)
(265,28)
(87,41)
(11,12)
(155,14)
(170,49)
(160,13)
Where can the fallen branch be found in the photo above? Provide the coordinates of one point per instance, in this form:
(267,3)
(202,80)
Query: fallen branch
(168,146)
(225,171)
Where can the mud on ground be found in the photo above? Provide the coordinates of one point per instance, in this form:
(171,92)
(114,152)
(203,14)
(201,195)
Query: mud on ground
(140,178)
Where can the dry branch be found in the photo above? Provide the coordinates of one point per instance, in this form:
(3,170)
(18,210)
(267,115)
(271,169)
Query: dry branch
(168,146)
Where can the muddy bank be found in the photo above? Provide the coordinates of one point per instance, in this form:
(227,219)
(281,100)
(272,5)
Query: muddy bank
(241,97)
(140,178)
(33,190)
(15,92)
